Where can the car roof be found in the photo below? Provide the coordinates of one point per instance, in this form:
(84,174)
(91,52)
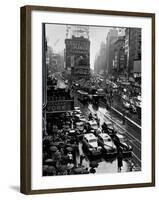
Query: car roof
(79,123)
(90,136)
(108,122)
(104,135)
(92,122)
(77,108)
(120,136)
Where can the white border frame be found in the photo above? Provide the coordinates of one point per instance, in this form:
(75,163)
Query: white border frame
(39,182)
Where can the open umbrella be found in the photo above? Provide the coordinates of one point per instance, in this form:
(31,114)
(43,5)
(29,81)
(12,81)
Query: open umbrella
(48,161)
(78,170)
(51,170)
(69,149)
(62,168)
(70,165)
(53,148)
(92,170)
(93,164)
(45,167)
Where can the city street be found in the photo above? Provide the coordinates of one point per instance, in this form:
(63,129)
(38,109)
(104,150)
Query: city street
(91,100)
(134,137)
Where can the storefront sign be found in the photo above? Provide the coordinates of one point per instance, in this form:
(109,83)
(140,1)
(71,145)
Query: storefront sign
(64,105)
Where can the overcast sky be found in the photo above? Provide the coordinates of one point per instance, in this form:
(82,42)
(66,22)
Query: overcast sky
(56,35)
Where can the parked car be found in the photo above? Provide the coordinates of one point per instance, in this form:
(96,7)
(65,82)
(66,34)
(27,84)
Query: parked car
(108,127)
(90,145)
(79,117)
(77,108)
(92,124)
(122,142)
(80,126)
(106,142)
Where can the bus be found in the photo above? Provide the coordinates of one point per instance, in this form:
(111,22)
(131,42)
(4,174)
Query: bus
(82,96)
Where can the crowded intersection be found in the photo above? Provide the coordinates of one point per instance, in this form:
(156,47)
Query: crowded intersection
(91,114)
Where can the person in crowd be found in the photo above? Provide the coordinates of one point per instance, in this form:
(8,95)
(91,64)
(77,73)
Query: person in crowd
(97,119)
(90,117)
(81,159)
(120,159)
(105,128)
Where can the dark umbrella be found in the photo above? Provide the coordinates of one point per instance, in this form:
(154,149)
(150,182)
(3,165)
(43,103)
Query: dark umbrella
(53,148)
(62,168)
(93,164)
(57,154)
(45,167)
(78,170)
(70,165)
(92,170)
(69,149)
(51,170)
(48,161)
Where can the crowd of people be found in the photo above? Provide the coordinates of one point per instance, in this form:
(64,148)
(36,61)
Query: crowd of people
(61,148)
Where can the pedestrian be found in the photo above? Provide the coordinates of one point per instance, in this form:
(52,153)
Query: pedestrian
(90,117)
(120,160)
(97,120)
(81,159)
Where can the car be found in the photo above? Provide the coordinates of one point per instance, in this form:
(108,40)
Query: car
(93,124)
(76,108)
(90,145)
(79,117)
(108,127)
(106,142)
(80,126)
(121,141)
(77,112)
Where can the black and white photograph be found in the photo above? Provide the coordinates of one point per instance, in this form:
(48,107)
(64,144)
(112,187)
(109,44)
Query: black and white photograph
(91,99)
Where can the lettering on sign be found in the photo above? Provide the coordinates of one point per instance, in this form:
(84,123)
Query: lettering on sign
(59,105)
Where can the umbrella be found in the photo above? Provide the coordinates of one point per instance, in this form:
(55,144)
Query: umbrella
(48,160)
(70,165)
(57,154)
(78,170)
(92,170)
(51,170)
(45,167)
(62,168)
(53,148)
(69,149)
(56,144)
(93,164)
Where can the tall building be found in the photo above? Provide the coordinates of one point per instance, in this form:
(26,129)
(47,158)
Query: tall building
(133,50)
(110,40)
(100,60)
(77,52)
(119,64)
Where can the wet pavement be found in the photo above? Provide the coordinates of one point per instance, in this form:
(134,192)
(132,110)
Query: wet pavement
(110,165)
(105,165)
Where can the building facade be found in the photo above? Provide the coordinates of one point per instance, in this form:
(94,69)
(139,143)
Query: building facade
(77,57)
(110,40)
(133,50)
(119,60)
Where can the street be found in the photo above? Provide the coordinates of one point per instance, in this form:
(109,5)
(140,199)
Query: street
(134,137)
(92,101)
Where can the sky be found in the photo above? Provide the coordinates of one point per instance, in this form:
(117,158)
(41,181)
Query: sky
(56,35)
